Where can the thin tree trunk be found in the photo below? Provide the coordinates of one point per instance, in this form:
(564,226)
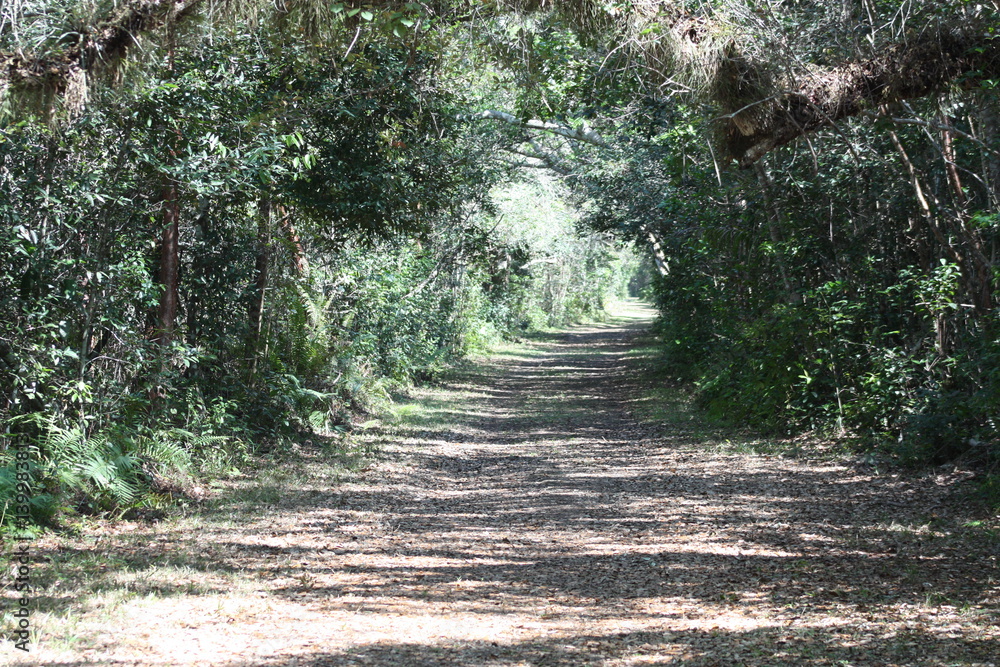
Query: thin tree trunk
(975,267)
(948,155)
(990,128)
(941,343)
(299,261)
(261,268)
(925,208)
(792,294)
(169,272)
(981,286)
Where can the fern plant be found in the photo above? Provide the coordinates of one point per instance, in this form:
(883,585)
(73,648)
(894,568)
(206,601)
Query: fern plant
(311,334)
(113,469)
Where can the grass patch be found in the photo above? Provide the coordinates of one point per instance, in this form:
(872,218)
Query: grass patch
(666,402)
(662,400)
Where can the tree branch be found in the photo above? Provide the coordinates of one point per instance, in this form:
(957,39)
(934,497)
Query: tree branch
(529,165)
(105,42)
(917,68)
(933,126)
(585,133)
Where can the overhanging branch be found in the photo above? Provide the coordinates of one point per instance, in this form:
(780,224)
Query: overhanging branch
(584,133)
(917,68)
(103,43)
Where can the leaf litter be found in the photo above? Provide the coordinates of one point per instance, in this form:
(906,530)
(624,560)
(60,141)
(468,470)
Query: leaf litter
(524,513)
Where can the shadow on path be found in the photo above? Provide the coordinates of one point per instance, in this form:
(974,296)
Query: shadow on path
(524,517)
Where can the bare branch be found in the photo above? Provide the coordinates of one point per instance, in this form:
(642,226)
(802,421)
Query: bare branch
(933,126)
(525,163)
(585,133)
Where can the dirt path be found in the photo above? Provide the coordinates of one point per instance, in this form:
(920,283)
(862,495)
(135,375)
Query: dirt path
(522,515)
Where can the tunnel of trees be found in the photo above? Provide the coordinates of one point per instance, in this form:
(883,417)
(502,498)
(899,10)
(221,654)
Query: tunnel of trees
(225,224)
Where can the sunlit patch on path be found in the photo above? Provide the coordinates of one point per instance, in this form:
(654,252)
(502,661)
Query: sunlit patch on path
(522,515)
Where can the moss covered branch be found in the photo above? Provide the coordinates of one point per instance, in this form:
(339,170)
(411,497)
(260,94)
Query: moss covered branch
(918,68)
(102,44)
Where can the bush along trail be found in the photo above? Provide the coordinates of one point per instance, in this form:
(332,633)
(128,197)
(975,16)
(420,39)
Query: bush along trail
(539,507)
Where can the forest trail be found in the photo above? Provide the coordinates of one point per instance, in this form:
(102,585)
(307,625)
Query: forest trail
(523,514)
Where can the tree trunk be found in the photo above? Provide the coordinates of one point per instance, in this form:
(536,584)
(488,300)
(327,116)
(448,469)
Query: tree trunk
(792,294)
(261,267)
(970,256)
(169,273)
(980,287)
(658,256)
(299,261)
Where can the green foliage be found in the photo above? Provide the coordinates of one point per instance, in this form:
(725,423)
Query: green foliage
(335,245)
(344,230)
(869,328)
(106,471)
(554,271)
